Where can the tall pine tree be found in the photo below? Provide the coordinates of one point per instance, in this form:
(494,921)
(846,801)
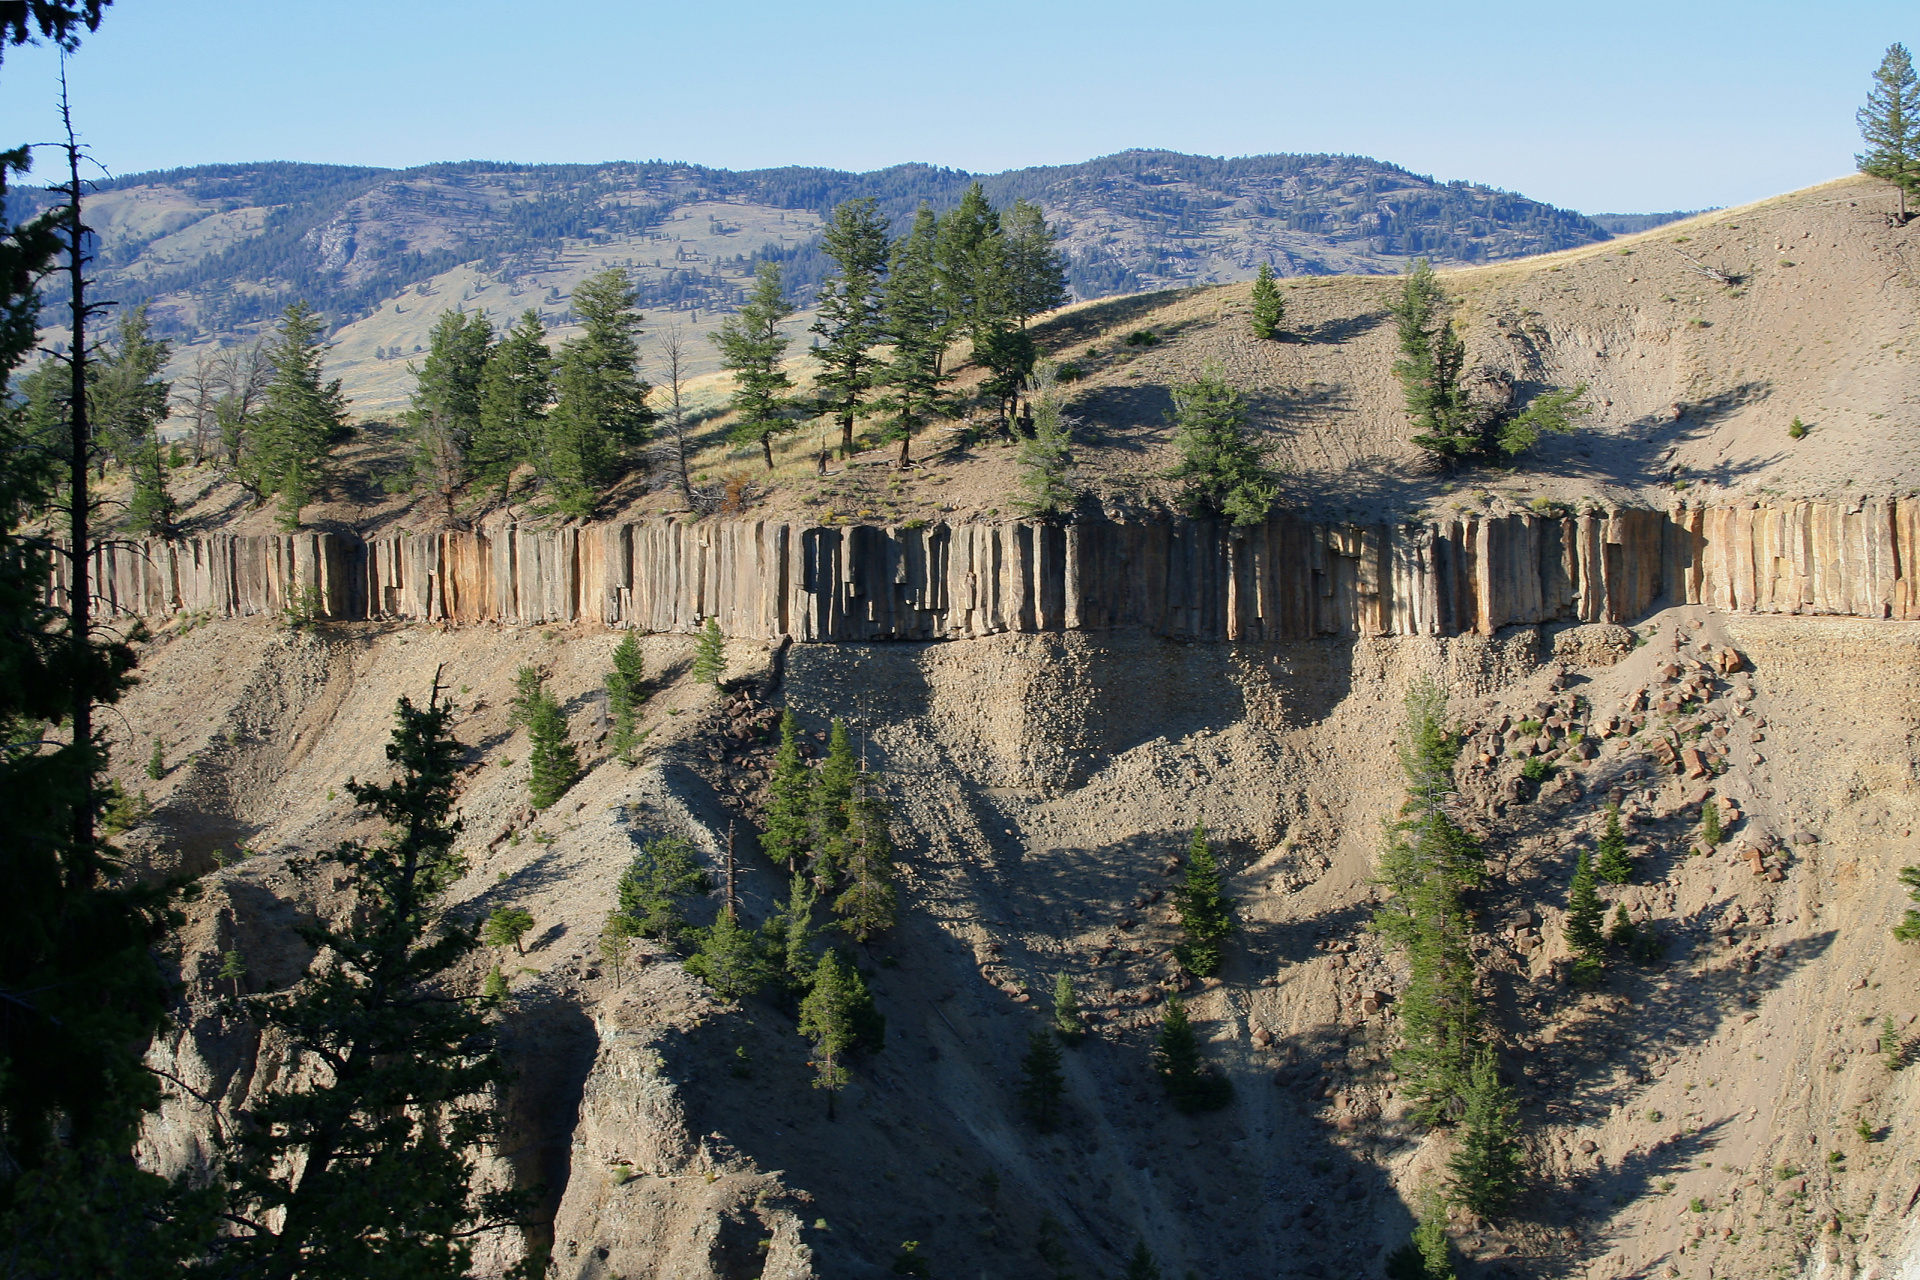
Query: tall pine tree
(832,796)
(1036,271)
(304,417)
(869,903)
(130,401)
(1269,308)
(828,1020)
(1222,466)
(1890,125)
(1489,1166)
(626,690)
(788,833)
(367,1165)
(751,349)
(851,322)
(1586,914)
(516,388)
(1206,913)
(1041,1083)
(443,418)
(1431,359)
(916,320)
(600,415)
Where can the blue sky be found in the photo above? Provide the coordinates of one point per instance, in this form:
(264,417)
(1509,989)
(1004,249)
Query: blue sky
(1628,107)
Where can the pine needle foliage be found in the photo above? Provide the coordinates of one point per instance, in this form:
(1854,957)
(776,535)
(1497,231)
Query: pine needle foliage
(752,347)
(1206,913)
(1431,360)
(1222,468)
(728,958)
(626,691)
(710,654)
(787,834)
(507,927)
(1586,914)
(1890,125)
(553,764)
(1269,308)
(304,417)
(1611,862)
(664,871)
(1428,866)
(869,903)
(1066,1010)
(1428,1255)
(833,786)
(1908,930)
(368,1166)
(1188,1079)
(1710,832)
(851,323)
(1041,1084)
(1489,1166)
(600,416)
(828,1022)
(157,762)
(1045,458)
(1142,1265)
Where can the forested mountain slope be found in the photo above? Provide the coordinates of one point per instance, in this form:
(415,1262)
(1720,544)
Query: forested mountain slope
(218,250)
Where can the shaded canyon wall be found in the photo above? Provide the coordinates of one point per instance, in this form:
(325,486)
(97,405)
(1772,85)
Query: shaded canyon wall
(1288,579)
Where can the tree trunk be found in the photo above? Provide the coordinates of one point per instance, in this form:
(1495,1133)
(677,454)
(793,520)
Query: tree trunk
(766,447)
(846,435)
(906,448)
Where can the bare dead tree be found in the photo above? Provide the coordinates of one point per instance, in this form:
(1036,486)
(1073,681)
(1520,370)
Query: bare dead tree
(1700,268)
(673,355)
(198,395)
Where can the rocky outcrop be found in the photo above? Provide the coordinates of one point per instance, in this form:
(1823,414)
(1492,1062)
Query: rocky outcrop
(1288,579)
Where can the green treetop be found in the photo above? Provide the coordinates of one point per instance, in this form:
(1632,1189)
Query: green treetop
(1611,862)
(443,418)
(1036,271)
(832,795)
(869,903)
(710,654)
(553,763)
(1431,359)
(1269,308)
(1066,1010)
(130,401)
(787,836)
(304,417)
(1222,465)
(916,321)
(664,871)
(1206,913)
(1890,125)
(1041,1084)
(751,349)
(1908,930)
(371,1164)
(851,323)
(1142,1265)
(1586,914)
(728,958)
(828,1021)
(600,415)
(1046,457)
(1489,1165)
(515,389)
(507,927)
(971,262)
(1176,1057)
(626,690)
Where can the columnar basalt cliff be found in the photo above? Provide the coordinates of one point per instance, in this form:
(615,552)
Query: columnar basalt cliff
(1288,579)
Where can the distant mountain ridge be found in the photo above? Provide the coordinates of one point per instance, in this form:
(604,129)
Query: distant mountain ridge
(220,248)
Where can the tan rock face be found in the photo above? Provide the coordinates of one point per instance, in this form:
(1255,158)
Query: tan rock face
(1285,580)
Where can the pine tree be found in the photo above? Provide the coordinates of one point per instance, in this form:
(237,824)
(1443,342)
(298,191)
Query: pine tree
(515,389)
(303,418)
(553,764)
(648,902)
(1142,1265)
(1269,308)
(1710,832)
(232,969)
(1041,1084)
(507,927)
(1046,457)
(1556,412)
(869,904)
(1224,469)
(443,419)
(1066,1010)
(827,1020)
(1489,1166)
(600,415)
(788,935)
(1611,862)
(1908,930)
(1206,914)
(130,401)
(1188,1080)
(728,958)
(493,987)
(751,349)
(1036,272)
(1008,355)
(916,322)
(1428,1255)
(851,321)
(626,690)
(1427,866)
(369,1165)
(1586,913)
(970,257)
(529,687)
(710,654)
(833,784)
(79,931)
(1431,359)
(157,762)
(1890,125)
(787,835)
